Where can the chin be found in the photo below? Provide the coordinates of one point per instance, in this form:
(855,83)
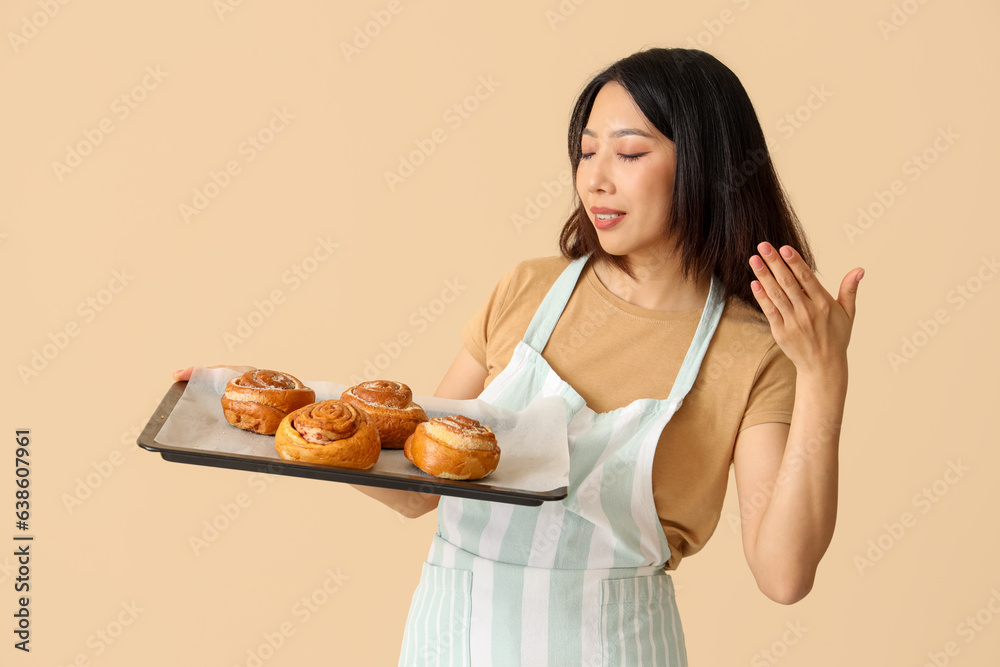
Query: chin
(611,247)
(636,248)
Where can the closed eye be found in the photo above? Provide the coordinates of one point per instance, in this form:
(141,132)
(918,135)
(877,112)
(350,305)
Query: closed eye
(624,156)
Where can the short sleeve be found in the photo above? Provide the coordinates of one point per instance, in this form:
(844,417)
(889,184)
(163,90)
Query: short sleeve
(477,330)
(772,395)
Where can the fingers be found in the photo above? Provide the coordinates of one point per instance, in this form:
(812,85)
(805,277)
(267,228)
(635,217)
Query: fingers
(787,279)
(788,271)
(766,305)
(778,282)
(802,272)
(848,295)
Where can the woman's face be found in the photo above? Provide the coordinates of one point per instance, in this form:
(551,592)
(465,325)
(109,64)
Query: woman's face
(626,177)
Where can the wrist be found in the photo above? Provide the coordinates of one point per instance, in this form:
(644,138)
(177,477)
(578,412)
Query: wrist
(829,375)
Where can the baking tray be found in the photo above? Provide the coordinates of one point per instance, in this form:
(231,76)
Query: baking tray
(373,477)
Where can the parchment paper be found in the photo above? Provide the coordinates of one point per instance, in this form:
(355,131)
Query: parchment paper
(534,454)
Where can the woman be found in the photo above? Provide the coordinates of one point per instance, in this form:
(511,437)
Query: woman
(684,277)
(687,231)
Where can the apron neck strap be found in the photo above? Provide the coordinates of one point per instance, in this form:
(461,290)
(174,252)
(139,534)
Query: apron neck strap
(551,308)
(710,317)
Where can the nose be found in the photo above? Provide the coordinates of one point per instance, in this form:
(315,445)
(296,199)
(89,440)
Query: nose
(596,174)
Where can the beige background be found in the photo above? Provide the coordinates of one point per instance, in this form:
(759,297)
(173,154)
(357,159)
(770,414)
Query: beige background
(117,548)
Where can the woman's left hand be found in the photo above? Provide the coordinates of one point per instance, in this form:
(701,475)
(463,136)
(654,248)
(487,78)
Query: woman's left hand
(809,325)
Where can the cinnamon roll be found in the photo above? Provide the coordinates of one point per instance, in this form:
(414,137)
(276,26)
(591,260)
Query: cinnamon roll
(332,433)
(453,448)
(390,409)
(259,399)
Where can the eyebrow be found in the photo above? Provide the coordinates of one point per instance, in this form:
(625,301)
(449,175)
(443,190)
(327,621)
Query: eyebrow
(625,132)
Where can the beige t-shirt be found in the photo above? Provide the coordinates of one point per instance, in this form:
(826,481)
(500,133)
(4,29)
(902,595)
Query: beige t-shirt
(613,353)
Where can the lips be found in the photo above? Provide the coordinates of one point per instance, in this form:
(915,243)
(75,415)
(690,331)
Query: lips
(606,218)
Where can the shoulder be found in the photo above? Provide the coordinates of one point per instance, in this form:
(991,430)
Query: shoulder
(531,279)
(518,293)
(538,270)
(742,313)
(493,332)
(744,329)
(762,376)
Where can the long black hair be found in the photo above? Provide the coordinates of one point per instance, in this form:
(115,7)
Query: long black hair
(727,197)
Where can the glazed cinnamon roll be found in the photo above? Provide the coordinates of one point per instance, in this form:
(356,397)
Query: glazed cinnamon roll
(390,409)
(259,399)
(332,433)
(453,448)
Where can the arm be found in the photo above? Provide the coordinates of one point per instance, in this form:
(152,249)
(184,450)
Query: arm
(464,380)
(786,475)
(786,481)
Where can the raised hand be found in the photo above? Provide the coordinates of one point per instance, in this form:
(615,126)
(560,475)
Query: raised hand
(809,325)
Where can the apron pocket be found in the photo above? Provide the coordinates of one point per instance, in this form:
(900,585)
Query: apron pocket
(640,624)
(437,628)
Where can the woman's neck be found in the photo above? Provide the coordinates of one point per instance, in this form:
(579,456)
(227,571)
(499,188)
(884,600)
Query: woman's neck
(658,284)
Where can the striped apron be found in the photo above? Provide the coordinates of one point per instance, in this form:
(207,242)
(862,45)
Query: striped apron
(573,582)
